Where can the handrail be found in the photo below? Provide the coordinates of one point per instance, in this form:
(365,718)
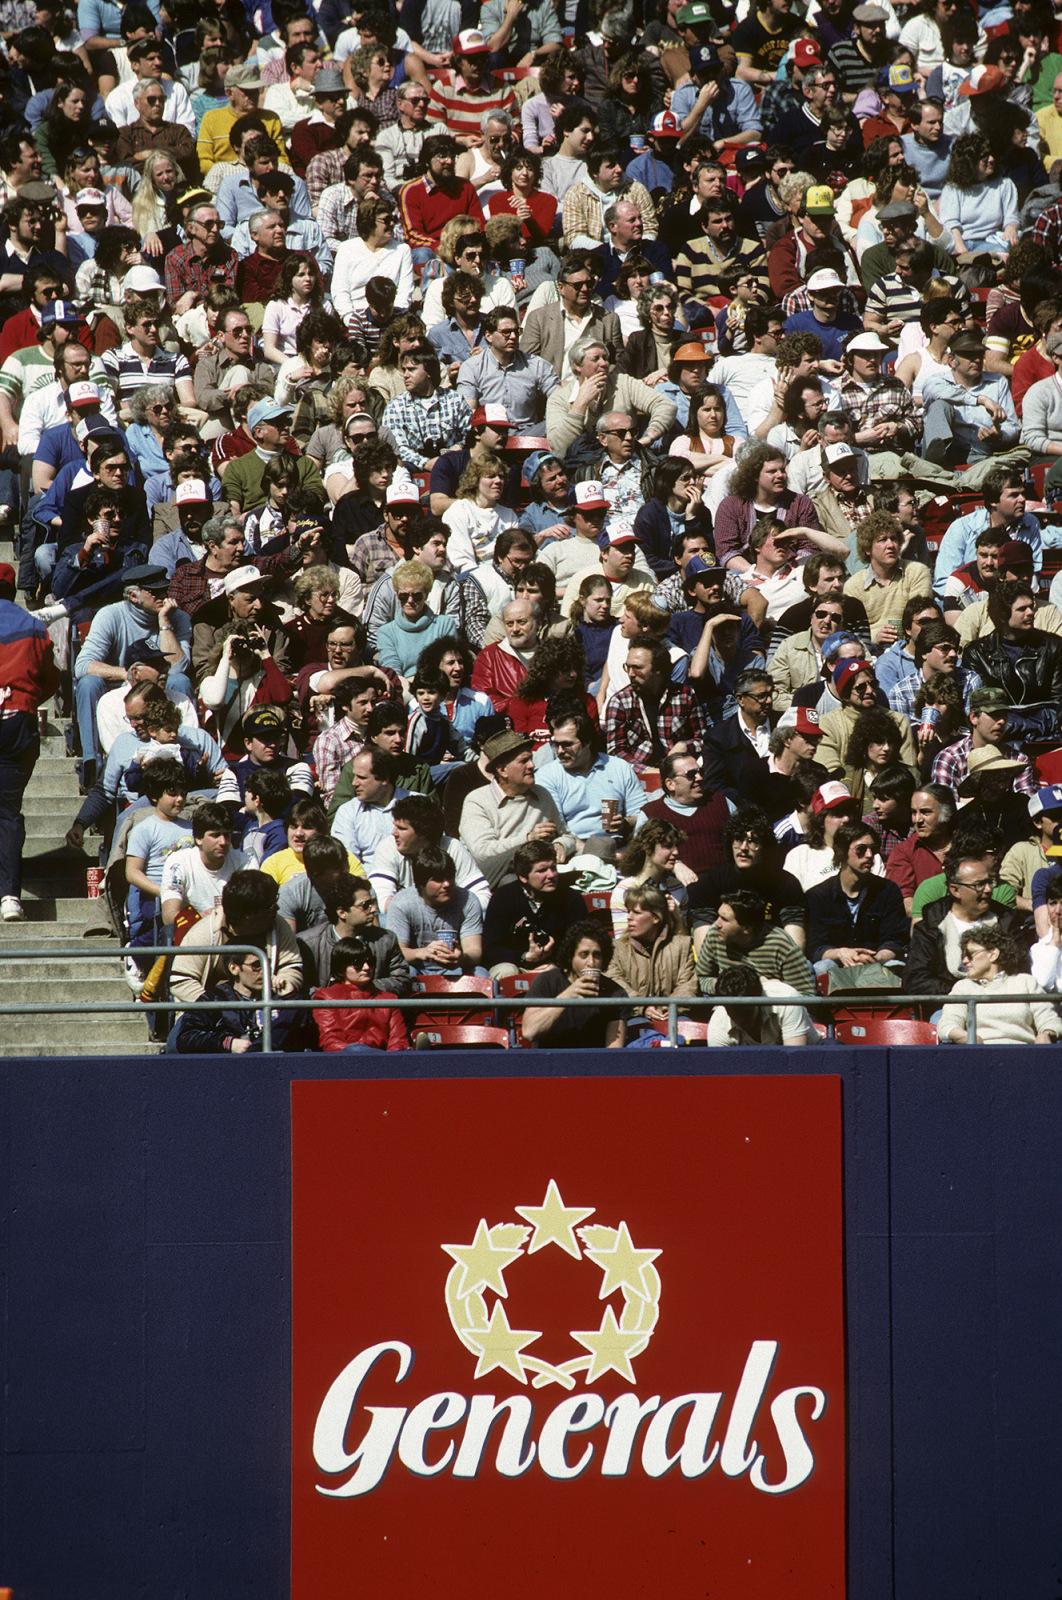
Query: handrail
(457,999)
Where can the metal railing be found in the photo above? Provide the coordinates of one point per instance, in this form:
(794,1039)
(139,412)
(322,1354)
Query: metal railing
(460,1000)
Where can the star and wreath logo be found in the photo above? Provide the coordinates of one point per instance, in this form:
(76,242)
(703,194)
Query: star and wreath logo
(479,1270)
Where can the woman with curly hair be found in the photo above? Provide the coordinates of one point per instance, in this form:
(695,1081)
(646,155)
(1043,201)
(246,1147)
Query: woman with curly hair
(896,184)
(477,517)
(455,659)
(305,378)
(558,666)
(347,397)
(628,104)
(99,279)
(522,197)
(873,744)
(658,313)
(651,857)
(977,204)
(758,489)
(858,195)
(561,82)
(370,73)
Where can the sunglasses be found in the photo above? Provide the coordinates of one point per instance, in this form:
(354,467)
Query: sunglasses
(412,594)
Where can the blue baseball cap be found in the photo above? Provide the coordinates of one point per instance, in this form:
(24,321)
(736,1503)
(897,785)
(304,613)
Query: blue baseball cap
(1049,799)
(697,567)
(834,641)
(532,464)
(264,411)
(61,311)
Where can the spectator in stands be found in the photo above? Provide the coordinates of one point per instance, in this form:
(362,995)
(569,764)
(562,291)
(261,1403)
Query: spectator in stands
(935,958)
(579,974)
(503,374)
(933,816)
(193,879)
(165,783)
(957,397)
(741,936)
(750,863)
(1020,659)
(651,957)
(247,915)
(855,917)
(598,795)
(416,823)
(576,407)
(362,824)
(887,581)
(439,927)
(652,715)
(994,963)
(526,919)
(756,1026)
(353,1028)
(351,911)
(686,804)
(501,668)
(510,810)
(890,807)
(266,799)
(736,750)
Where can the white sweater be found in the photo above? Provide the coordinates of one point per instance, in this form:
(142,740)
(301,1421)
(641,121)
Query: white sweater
(1002,1024)
(1041,416)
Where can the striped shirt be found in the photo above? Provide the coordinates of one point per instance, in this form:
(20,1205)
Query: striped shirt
(462,111)
(127,373)
(890,298)
(772,955)
(853,70)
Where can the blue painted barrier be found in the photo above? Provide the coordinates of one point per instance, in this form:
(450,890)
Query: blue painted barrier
(145,1339)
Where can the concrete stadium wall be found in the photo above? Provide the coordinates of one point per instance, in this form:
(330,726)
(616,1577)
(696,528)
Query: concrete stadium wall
(145,1332)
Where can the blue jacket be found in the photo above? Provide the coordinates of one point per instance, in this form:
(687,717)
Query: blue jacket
(879,924)
(653,531)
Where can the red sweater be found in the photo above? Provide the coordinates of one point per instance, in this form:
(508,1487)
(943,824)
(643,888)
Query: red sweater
(384,1030)
(704,830)
(425,212)
(498,674)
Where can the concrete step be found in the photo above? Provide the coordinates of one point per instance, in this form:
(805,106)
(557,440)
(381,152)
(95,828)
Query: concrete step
(107,1047)
(51,936)
(69,913)
(67,1034)
(64,979)
(52,778)
(51,807)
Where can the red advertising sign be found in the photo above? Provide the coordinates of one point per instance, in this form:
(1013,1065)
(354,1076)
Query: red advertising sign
(576,1337)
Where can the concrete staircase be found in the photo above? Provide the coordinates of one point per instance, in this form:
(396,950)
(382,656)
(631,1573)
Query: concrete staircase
(60,916)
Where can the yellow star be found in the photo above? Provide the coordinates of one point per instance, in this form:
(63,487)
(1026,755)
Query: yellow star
(623,1265)
(608,1346)
(482,1261)
(500,1346)
(554,1222)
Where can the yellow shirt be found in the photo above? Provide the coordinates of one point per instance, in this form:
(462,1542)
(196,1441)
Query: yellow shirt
(213,144)
(1050,125)
(286,864)
(886,601)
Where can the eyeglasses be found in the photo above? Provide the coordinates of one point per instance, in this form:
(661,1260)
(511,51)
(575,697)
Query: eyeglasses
(156,411)
(761,699)
(619,433)
(413,594)
(49,291)
(830,616)
(979,884)
(416,100)
(208,227)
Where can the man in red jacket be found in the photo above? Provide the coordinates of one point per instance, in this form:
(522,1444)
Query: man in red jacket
(501,668)
(428,203)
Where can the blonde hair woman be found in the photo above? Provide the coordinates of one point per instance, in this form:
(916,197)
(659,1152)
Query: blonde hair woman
(477,516)
(161,179)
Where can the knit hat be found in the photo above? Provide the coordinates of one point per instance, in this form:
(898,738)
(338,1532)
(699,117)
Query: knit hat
(844,672)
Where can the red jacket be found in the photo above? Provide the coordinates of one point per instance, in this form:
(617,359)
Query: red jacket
(498,674)
(384,1030)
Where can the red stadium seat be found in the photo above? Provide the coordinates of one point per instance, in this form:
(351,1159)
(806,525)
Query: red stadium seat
(510,988)
(596,903)
(438,983)
(688,1032)
(891,1031)
(468,1036)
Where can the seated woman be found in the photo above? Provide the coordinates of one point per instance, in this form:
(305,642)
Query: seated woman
(305,378)
(241,672)
(347,397)
(561,81)
(558,666)
(629,102)
(650,860)
(594,623)
(651,957)
(582,956)
(354,1028)
(649,343)
(399,643)
(99,279)
(520,196)
(978,205)
(632,280)
(706,445)
(757,489)
(154,211)
(477,516)
(674,510)
(895,186)
(754,1026)
(873,745)
(995,964)
(299,290)
(152,409)
(455,659)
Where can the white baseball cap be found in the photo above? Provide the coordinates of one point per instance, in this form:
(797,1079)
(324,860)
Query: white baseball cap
(83,394)
(193,492)
(866,341)
(139,280)
(839,452)
(588,496)
(825,278)
(241,578)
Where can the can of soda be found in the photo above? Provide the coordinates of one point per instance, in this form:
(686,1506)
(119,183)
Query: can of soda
(42,721)
(637,142)
(929,716)
(94,882)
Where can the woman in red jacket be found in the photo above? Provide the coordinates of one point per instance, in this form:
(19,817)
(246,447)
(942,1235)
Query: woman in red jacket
(355,1028)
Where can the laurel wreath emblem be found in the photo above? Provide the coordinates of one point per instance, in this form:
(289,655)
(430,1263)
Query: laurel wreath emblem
(484,1328)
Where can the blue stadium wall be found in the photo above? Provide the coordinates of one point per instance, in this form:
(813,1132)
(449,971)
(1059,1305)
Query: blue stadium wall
(145,1334)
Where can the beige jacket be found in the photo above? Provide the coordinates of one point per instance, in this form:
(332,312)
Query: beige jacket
(793,665)
(667,969)
(622,393)
(837,730)
(198,965)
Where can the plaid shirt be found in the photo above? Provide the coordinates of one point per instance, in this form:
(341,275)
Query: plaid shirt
(952,765)
(332,750)
(902,695)
(185,271)
(887,401)
(324,170)
(423,427)
(384,108)
(888,836)
(190,584)
(1047,230)
(679,717)
(777,101)
(372,556)
(336,211)
(583,211)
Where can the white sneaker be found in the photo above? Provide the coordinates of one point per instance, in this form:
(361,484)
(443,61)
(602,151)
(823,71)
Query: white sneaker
(11,909)
(133,975)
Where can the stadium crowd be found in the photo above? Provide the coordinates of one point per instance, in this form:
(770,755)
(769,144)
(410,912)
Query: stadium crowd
(467,463)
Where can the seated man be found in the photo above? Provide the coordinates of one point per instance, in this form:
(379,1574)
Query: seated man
(501,668)
(741,936)
(987,714)
(364,823)
(247,915)
(1003,492)
(192,879)
(237,1031)
(417,825)
(598,795)
(351,909)
(968,416)
(687,803)
(935,958)
(598,387)
(439,927)
(511,810)
(855,917)
(651,716)
(736,750)
(265,740)
(756,1026)
(527,918)
(1021,660)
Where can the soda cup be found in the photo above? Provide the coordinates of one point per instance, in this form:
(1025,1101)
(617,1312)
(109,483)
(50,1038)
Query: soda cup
(593,975)
(94,882)
(42,721)
(516,266)
(609,808)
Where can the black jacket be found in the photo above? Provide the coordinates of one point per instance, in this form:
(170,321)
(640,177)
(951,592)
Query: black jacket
(1033,682)
(732,765)
(926,972)
(509,918)
(880,923)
